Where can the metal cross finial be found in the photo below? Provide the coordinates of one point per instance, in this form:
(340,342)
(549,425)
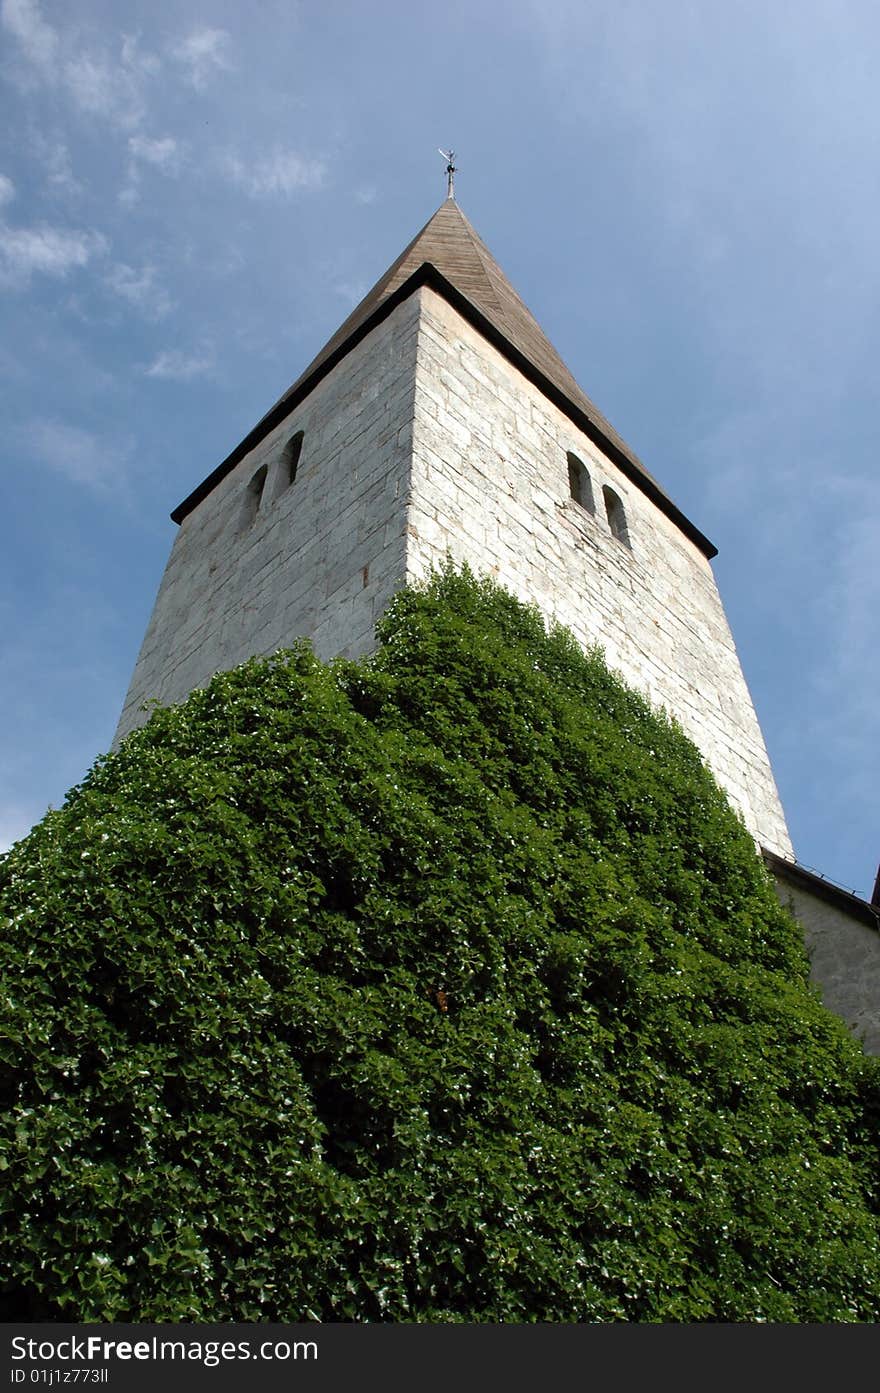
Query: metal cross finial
(449,157)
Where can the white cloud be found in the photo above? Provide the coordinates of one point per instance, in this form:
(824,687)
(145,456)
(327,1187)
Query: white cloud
(38,39)
(173,365)
(134,58)
(163,154)
(140,289)
(283,172)
(203,54)
(99,84)
(51,251)
(7,189)
(103,88)
(352,292)
(79,455)
(58,168)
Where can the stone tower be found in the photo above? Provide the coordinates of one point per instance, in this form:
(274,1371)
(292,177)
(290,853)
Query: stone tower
(440,420)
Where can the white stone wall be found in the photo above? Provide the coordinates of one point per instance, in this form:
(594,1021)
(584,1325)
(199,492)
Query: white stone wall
(490,485)
(425,440)
(322,557)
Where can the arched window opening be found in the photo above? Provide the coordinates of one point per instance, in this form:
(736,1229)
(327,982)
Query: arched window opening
(616,515)
(579,483)
(290,459)
(252,497)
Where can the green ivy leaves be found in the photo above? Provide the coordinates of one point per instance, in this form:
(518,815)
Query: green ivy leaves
(443,986)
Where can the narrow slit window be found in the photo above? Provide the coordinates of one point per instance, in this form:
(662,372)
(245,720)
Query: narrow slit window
(290,459)
(252,496)
(616,515)
(579,484)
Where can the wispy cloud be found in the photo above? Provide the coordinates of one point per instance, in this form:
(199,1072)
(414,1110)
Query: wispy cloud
(45,250)
(281,173)
(59,171)
(140,289)
(7,189)
(164,154)
(173,365)
(351,291)
(38,40)
(98,83)
(138,59)
(81,456)
(203,54)
(104,88)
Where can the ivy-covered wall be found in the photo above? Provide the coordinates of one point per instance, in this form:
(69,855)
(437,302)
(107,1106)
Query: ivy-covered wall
(444,986)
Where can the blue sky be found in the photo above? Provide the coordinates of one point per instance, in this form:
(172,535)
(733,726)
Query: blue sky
(193,196)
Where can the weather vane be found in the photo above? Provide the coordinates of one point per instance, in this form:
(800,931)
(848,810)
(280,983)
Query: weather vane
(449,157)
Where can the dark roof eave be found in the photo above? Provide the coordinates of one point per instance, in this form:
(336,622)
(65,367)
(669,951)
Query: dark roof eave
(813,884)
(427,274)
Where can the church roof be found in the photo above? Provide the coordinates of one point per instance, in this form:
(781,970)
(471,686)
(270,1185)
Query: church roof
(449,255)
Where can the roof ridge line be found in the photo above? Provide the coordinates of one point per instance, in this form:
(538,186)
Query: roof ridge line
(482,252)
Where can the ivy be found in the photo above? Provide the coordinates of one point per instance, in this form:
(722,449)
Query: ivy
(442,986)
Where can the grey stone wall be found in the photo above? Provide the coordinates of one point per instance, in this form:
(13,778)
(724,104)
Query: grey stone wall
(490,484)
(320,558)
(426,440)
(844,954)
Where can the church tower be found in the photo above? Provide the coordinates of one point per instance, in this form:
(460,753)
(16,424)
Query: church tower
(438,420)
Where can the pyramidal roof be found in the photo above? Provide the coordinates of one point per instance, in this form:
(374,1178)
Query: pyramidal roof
(448,255)
(449,243)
